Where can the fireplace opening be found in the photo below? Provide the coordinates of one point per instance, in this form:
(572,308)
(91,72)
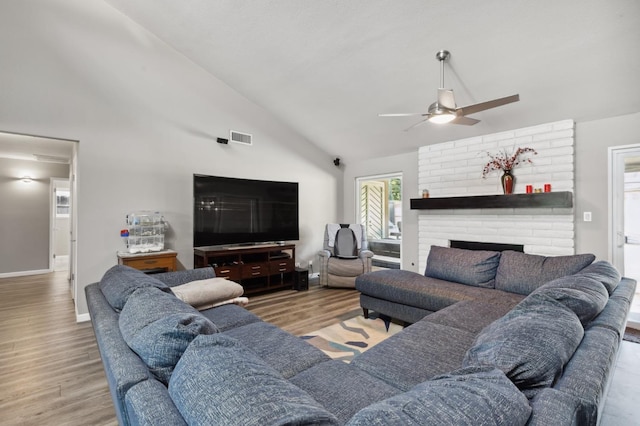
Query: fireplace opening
(476,245)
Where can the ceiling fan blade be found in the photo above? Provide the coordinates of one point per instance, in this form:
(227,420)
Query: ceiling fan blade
(417,124)
(472,109)
(445,98)
(401,114)
(467,121)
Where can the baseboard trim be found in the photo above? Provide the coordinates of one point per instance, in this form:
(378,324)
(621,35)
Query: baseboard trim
(24,273)
(83,317)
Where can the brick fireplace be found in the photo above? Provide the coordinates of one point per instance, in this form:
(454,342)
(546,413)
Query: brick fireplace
(454,169)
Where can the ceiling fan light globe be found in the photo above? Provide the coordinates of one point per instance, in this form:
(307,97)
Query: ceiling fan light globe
(442,117)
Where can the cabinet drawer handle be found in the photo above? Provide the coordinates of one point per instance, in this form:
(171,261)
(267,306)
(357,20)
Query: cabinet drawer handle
(255,273)
(255,267)
(225,271)
(282,269)
(283,264)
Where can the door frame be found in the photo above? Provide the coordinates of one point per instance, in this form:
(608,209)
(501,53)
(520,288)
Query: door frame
(616,156)
(55,184)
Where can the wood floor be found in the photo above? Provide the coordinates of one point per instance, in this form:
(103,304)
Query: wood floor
(50,365)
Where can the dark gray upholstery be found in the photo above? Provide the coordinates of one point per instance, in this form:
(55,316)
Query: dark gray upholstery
(552,407)
(119,282)
(431,294)
(470,315)
(286,353)
(162,412)
(585,296)
(604,272)
(472,267)
(522,273)
(531,343)
(218,381)
(433,349)
(468,397)
(175,278)
(226,317)
(159,327)
(343,387)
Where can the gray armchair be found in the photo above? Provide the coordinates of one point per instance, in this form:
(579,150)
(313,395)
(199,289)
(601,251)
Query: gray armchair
(342,272)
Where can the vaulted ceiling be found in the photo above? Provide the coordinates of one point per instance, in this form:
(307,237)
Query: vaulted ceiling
(326,68)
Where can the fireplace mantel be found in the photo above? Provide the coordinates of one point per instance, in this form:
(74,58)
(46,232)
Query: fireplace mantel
(561,199)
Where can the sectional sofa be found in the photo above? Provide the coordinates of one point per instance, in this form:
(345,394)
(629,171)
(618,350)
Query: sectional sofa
(473,358)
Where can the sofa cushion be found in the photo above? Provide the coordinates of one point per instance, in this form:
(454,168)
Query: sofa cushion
(471,267)
(159,327)
(471,396)
(204,294)
(404,359)
(161,412)
(531,344)
(586,297)
(219,381)
(119,282)
(522,273)
(342,388)
(604,272)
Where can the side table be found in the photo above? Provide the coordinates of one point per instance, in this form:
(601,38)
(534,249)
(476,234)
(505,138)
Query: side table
(152,262)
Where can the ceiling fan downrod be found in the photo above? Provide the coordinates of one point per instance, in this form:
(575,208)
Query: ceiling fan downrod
(442,56)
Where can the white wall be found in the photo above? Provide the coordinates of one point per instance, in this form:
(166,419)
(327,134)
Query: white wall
(593,138)
(407,164)
(146,119)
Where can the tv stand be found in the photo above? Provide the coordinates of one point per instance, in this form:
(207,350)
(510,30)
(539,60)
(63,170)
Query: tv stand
(258,269)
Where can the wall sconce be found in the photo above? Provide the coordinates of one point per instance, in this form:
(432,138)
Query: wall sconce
(27,179)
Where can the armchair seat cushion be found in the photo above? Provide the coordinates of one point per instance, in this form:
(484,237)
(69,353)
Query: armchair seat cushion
(345,267)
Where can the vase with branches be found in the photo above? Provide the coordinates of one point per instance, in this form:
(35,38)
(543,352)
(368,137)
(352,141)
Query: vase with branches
(507,162)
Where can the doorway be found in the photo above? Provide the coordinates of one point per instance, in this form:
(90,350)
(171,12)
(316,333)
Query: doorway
(380,211)
(625,217)
(60,229)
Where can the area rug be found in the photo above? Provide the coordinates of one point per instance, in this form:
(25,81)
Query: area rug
(631,335)
(351,337)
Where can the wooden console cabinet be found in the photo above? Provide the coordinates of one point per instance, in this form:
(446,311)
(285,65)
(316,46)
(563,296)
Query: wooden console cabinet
(257,268)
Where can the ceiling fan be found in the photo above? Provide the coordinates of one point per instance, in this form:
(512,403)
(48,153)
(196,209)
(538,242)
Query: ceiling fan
(444,110)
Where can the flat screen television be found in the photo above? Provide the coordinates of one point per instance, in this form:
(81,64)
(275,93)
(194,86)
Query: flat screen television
(230,211)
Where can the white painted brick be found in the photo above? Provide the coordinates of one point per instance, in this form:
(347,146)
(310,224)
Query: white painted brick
(564,124)
(543,128)
(498,136)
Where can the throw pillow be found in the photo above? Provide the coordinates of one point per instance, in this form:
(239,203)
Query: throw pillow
(119,282)
(159,328)
(219,381)
(204,294)
(585,296)
(469,396)
(531,344)
(522,273)
(604,272)
(471,267)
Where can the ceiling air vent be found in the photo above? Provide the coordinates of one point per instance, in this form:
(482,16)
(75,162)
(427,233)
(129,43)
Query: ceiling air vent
(244,138)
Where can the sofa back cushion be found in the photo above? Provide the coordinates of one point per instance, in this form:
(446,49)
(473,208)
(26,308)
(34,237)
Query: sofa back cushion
(522,273)
(585,296)
(119,282)
(475,395)
(531,344)
(159,327)
(603,272)
(219,381)
(471,267)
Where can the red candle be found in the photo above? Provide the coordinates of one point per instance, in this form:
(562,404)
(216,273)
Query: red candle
(547,187)
(529,189)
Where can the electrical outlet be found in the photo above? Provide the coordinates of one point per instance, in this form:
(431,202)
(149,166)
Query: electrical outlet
(297,264)
(587,216)
(310,263)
